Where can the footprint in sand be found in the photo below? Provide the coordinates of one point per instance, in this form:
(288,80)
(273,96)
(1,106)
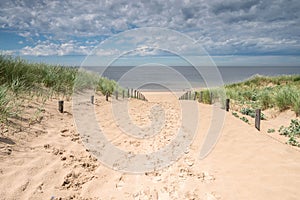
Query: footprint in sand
(120,183)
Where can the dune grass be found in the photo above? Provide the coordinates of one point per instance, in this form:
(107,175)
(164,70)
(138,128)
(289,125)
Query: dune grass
(19,79)
(280,92)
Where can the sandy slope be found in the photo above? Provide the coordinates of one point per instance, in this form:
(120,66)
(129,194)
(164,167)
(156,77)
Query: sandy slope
(245,163)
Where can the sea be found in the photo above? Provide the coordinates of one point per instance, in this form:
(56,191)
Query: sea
(181,78)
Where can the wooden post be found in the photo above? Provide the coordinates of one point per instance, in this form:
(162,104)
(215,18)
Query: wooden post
(186,96)
(134,93)
(92,99)
(195,95)
(201,96)
(61,106)
(128,93)
(227,104)
(211,98)
(123,94)
(117,94)
(131,94)
(106,95)
(257,119)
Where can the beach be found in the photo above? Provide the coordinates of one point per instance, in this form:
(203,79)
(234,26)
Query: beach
(149,100)
(50,159)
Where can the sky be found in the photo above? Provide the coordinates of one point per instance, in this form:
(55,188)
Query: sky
(230,32)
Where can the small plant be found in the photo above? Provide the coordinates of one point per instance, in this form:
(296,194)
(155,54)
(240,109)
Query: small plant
(235,114)
(292,141)
(248,111)
(292,131)
(271,130)
(244,119)
(251,112)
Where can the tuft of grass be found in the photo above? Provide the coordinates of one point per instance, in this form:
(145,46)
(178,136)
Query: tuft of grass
(283,98)
(271,130)
(213,95)
(296,102)
(105,85)
(206,98)
(5,109)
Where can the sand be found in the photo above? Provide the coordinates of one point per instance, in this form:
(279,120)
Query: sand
(49,159)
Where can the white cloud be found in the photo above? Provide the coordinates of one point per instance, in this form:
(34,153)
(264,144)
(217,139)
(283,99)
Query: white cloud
(46,48)
(7,52)
(222,27)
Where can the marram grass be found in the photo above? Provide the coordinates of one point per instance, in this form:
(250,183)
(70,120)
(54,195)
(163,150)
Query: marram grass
(19,78)
(280,92)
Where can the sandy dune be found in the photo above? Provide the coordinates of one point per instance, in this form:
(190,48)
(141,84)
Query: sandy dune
(50,161)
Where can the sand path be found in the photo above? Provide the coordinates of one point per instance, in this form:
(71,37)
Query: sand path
(245,163)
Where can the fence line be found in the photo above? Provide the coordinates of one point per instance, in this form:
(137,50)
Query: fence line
(188,96)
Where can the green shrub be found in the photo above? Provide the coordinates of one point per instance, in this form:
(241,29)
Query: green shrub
(251,112)
(235,114)
(292,131)
(244,119)
(248,111)
(271,130)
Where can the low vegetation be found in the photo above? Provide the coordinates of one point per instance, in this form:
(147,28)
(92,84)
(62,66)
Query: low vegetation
(271,130)
(292,132)
(251,112)
(244,119)
(20,79)
(281,92)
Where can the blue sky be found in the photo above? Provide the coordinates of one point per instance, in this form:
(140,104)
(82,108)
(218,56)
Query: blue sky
(232,32)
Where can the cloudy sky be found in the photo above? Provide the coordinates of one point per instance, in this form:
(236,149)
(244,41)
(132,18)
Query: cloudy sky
(232,32)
